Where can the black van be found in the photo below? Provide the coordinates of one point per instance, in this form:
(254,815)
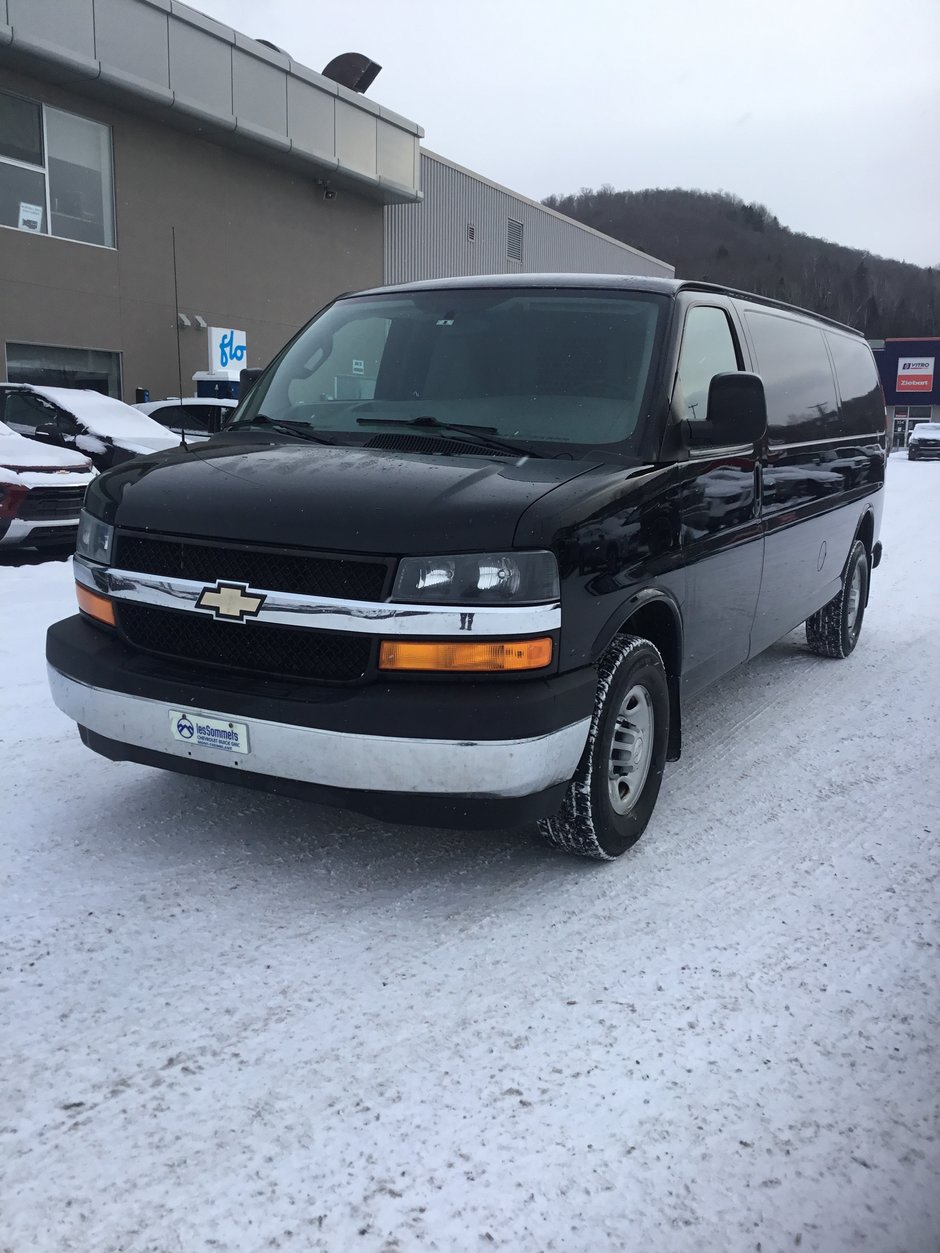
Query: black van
(467,546)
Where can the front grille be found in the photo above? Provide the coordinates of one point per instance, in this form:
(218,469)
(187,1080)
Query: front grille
(343,578)
(52,504)
(254,646)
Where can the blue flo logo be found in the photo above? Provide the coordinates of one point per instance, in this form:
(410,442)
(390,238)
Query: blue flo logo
(229,351)
(185,728)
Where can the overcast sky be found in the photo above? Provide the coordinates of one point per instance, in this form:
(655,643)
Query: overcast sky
(827,111)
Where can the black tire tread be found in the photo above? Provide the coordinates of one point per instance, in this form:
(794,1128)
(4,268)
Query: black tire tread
(572,829)
(825,633)
(824,629)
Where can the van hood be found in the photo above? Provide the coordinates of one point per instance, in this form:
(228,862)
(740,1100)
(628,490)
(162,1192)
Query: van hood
(334,499)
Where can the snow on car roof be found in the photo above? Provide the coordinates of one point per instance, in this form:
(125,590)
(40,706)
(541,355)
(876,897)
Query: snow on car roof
(102,415)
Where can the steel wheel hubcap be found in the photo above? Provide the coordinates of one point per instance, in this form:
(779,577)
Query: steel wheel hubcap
(855,596)
(631,750)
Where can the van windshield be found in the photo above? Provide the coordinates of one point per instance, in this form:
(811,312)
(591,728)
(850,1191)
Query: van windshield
(531,366)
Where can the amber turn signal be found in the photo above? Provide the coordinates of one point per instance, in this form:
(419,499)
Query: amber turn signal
(479,655)
(97,607)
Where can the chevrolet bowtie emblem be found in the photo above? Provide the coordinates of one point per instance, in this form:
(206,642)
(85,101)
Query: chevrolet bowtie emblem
(231,601)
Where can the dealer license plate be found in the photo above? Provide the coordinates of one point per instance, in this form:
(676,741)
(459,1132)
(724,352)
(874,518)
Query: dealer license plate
(202,732)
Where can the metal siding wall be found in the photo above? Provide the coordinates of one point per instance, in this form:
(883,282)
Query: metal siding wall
(429,239)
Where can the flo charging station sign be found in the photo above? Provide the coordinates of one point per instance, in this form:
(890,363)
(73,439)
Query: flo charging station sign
(915,374)
(228,351)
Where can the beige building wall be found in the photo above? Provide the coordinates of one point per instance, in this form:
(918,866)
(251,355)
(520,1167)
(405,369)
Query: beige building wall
(258,248)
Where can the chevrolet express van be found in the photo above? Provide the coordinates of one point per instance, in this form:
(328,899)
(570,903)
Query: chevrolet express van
(467,547)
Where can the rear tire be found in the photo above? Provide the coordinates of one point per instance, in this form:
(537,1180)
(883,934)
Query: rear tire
(610,799)
(834,630)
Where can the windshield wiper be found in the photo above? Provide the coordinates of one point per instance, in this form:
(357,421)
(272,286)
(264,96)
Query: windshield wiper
(480,434)
(298,429)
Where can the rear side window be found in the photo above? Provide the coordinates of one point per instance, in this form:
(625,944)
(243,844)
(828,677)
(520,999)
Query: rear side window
(193,417)
(859,386)
(801,392)
(198,417)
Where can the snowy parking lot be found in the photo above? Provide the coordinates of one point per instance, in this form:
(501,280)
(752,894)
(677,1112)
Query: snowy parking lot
(239,1023)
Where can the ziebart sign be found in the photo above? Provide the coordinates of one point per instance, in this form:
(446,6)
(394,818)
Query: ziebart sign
(228,351)
(915,374)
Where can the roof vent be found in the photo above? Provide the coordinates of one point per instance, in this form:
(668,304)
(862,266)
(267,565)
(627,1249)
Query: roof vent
(514,240)
(353,70)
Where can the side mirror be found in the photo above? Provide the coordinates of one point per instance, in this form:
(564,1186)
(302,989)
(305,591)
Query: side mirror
(737,412)
(48,433)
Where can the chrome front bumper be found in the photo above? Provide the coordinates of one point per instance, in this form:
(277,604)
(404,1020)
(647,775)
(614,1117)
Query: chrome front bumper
(499,769)
(22,530)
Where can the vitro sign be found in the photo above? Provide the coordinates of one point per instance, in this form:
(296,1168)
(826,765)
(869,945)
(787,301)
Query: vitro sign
(228,350)
(915,374)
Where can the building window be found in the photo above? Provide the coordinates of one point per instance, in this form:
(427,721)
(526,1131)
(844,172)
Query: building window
(471,232)
(514,240)
(920,411)
(45,366)
(55,173)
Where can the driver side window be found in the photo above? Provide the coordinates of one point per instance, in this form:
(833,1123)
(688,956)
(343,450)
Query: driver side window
(708,348)
(23,411)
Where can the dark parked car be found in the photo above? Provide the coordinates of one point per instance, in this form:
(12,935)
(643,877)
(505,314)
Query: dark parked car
(479,586)
(106,430)
(924,441)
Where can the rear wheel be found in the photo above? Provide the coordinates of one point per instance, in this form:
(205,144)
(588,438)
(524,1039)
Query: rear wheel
(610,799)
(834,630)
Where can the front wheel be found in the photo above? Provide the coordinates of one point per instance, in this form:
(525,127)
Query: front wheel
(834,630)
(610,799)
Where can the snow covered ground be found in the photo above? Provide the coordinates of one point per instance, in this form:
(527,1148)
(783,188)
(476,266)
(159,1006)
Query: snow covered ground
(235,1023)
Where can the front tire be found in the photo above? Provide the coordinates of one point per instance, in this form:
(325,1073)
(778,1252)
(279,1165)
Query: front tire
(834,630)
(610,799)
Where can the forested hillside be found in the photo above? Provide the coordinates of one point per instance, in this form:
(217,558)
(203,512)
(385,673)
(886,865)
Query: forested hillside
(719,238)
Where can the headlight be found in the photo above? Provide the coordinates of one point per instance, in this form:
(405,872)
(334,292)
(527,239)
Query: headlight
(478,579)
(95,539)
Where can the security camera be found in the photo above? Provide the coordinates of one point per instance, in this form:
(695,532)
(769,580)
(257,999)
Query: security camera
(329,193)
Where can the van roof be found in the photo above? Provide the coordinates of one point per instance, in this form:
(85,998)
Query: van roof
(606,282)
